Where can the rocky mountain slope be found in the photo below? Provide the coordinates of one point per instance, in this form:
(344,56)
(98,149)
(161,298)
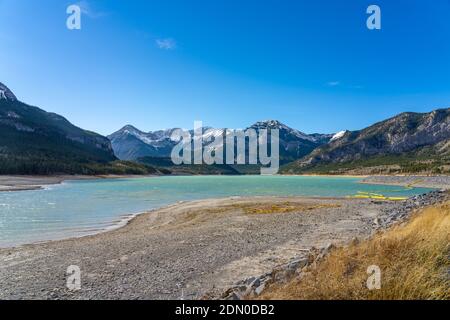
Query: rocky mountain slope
(294,144)
(130,143)
(33,141)
(409,142)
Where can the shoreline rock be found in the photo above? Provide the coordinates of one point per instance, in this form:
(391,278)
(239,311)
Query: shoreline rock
(256,285)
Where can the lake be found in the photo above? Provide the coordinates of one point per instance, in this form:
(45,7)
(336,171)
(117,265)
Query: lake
(77,208)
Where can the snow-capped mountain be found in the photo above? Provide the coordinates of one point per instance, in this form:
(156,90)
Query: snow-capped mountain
(130,143)
(6,94)
(294,144)
(275,124)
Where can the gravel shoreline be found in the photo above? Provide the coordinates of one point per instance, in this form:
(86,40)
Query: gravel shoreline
(24,183)
(189,250)
(254,286)
(438,182)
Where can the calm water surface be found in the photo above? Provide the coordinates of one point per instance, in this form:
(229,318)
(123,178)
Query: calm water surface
(77,208)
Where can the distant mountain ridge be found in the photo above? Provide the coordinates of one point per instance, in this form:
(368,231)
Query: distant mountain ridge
(409,138)
(294,144)
(6,94)
(407,143)
(130,143)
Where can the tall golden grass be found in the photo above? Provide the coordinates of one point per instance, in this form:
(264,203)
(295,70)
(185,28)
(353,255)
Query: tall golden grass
(413,258)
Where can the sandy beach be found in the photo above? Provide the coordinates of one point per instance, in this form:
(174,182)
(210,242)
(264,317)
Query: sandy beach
(187,249)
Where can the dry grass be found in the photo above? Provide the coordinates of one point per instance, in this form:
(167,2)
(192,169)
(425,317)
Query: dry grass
(414,262)
(286,207)
(200,216)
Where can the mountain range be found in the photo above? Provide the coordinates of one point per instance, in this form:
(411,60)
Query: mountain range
(408,142)
(33,141)
(130,143)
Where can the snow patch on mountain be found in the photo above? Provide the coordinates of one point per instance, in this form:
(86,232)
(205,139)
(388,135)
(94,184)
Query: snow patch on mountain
(6,94)
(338,135)
(275,124)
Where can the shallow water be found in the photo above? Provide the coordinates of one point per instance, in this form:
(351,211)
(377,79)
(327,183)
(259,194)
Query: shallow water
(77,208)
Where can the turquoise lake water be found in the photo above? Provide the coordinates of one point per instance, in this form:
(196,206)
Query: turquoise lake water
(77,208)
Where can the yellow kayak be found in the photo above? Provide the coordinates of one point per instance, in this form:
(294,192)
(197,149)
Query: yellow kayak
(366,195)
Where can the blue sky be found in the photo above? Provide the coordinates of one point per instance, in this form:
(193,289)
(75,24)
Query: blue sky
(158,64)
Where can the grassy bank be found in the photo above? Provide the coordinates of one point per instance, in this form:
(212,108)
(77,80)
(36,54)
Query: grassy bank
(413,258)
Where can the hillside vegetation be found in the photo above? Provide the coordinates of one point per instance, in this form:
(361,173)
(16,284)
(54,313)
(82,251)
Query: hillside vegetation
(33,141)
(407,143)
(427,160)
(166,166)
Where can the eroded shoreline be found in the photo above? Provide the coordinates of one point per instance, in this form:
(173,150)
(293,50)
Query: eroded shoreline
(186,249)
(9,183)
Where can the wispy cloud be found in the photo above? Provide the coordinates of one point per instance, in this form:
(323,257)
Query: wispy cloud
(166,44)
(333,83)
(88,10)
(343,85)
